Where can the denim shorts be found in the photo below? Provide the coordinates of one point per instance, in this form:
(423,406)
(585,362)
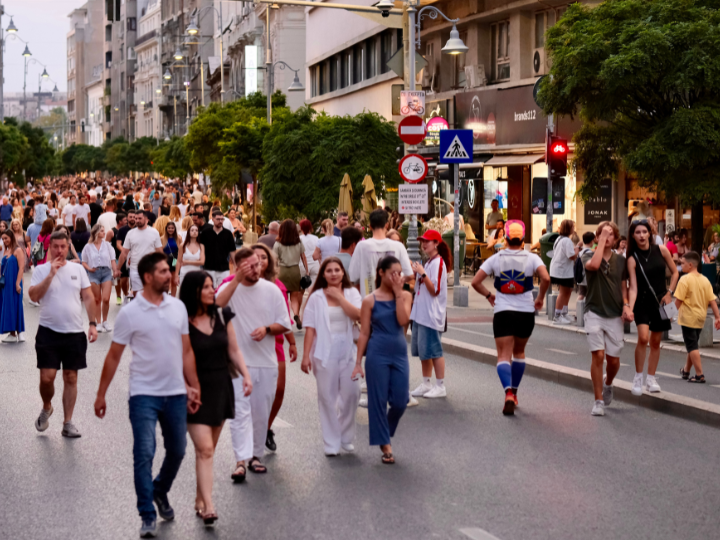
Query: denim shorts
(425,342)
(101,275)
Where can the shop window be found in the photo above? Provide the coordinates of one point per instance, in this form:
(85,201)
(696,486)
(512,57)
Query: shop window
(501,54)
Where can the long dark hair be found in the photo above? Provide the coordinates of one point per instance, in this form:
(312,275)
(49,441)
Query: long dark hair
(444,252)
(191,292)
(321,282)
(632,246)
(288,235)
(384,264)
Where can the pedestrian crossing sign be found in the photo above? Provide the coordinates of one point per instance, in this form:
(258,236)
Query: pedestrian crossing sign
(456,146)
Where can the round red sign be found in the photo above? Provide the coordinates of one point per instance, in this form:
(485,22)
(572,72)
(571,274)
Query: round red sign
(413,168)
(412,130)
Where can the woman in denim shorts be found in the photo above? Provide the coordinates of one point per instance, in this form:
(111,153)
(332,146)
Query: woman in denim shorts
(98,258)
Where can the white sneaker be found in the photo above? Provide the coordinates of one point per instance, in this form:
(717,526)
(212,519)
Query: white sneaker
(10,339)
(349,448)
(637,384)
(100,329)
(363,387)
(412,402)
(421,390)
(561,320)
(363,403)
(21,337)
(106,326)
(436,392)
(34,304)
(651,384)
(598,409)
(607,393)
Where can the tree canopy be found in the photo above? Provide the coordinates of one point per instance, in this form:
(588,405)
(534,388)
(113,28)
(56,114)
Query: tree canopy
(13,148)
(644,76)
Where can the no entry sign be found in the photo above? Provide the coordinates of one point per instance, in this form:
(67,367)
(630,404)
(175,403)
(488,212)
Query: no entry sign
(413,168)
(412,130)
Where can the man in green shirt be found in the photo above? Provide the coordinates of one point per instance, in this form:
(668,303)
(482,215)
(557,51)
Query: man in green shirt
(607,307)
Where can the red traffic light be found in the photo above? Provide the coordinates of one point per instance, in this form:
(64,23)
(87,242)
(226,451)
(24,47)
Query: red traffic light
(559,148)
(557,156)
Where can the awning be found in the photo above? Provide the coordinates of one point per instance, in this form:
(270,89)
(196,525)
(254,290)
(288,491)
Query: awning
(514,159)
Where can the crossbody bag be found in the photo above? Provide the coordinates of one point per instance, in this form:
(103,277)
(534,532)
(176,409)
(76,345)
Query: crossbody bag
(667,311)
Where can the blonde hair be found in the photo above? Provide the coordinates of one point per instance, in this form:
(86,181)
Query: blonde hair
(13,222)
(392,232)
(328,226)
(94,232)
(610,224)
(186,223)
(175,214)
(161,223)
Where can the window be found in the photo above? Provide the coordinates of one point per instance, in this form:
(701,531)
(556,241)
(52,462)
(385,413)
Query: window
(325,77)
(313,81)
(370,58)
(345,69)
(460,79)
(122,81)
(357,63)
(501,45)
(334,61)
(386,40)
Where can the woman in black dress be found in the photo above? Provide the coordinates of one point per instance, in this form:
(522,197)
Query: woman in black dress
(216,355)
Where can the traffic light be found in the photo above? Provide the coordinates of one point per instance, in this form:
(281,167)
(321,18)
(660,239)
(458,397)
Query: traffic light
(557,156)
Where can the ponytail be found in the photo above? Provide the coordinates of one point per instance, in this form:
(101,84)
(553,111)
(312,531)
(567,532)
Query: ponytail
(444,251)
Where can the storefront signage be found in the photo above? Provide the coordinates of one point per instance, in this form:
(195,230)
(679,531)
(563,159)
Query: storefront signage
(412,102)
(413,168)
(599,208)
(434,127)
(413,198)
(538,204)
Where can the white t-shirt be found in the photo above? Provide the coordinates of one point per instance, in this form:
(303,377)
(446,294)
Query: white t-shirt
(513,302)
(329,246)
(363,265)
(659,240)
(430,310)
(154,334)
(82,211)
(310,242)
(67,214)
(108,220)
(140,243)
(561,266)
(182,208)
(61,307)
(256,307)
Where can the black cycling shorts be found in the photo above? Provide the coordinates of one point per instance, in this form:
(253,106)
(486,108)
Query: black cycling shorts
(513,323)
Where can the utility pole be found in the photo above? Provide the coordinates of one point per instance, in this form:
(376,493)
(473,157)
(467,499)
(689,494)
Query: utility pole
(549,207)
(413,246)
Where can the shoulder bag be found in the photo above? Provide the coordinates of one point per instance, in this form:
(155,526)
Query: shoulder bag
(667,311)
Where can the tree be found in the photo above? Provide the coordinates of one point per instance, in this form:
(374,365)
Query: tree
(39,159)
(644,75)
(171,159)
(13,148)
(307,154)
(53,122)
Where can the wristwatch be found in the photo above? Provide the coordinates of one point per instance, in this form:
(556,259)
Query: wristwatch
(423,277)
(93,323)
(267,330)
(488,295)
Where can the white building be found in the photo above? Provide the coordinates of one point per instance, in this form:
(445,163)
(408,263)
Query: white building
(94,91)
(148,76)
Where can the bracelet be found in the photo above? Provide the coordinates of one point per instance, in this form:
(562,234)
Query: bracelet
(268,330)
(93,323)
(423,277)
(488,295)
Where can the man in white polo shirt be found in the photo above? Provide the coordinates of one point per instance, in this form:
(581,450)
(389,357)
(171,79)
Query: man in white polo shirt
(60,341)
(82,210)
(140,241)
(163,385)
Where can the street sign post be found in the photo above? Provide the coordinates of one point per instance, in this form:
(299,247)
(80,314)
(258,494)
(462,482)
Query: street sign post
(456,146)
(413,198)
(412,130)
(413,168)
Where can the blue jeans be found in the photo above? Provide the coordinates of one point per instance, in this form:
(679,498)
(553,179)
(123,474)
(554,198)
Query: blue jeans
(145,413)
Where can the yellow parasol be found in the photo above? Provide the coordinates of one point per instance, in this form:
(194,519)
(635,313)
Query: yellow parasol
(369,200)
(346,192)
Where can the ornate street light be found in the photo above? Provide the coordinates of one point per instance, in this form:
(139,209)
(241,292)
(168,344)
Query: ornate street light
(11,29)
(454,45)
(26,53)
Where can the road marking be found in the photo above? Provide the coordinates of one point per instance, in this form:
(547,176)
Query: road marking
(561,352)
(478,534)
(470,331)
(279,423)
(672,376)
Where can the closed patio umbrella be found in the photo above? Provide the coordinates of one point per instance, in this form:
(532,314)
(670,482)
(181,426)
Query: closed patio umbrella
(346,192)
(369,199)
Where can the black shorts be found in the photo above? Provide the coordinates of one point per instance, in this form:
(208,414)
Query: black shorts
(651,317)
(124,271)
(563,282)
(55,350)
(513,323)
(691,336)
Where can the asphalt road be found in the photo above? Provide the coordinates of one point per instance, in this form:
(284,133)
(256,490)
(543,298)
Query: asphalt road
(463,470)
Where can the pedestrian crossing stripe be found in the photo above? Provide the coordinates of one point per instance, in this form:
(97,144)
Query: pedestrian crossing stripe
(456,150)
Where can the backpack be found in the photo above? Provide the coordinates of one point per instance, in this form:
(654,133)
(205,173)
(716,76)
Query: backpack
(579,267)
(510,277)
(37,253)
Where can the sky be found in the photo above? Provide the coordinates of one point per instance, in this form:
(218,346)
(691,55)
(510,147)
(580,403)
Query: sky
(44,25)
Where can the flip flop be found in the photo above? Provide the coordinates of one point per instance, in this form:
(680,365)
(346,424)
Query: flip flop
(388,459)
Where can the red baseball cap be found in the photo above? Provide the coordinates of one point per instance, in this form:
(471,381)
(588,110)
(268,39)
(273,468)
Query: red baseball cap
(431,235)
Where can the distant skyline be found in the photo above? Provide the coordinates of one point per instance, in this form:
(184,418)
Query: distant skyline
(44,25)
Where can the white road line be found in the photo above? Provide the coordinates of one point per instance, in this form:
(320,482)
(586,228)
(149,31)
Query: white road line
(562,352)
(671,375)
(478,534)
(471,323)
(715,385)
(469,331)
(279,423)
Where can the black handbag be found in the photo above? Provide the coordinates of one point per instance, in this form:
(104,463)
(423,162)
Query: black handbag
(305,282)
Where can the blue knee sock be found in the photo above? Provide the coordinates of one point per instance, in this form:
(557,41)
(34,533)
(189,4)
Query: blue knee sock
(518,368)
(504,372)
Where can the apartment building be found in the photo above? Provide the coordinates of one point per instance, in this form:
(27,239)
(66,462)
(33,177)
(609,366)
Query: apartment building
(84,54)
(94,113)
(148,74)
(489,89)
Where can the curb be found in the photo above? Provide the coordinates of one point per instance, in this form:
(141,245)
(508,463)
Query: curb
(664,402)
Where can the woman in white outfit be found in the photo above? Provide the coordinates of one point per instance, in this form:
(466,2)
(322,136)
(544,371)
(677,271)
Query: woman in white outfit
(191,256)
(310,242)
(329,244)
(333,307)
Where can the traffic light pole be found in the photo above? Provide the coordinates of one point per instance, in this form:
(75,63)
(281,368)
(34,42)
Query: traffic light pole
(549,208)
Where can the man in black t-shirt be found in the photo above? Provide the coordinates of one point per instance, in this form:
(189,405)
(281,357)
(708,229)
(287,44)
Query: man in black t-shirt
(219,246)
(152,218)
(118,240)
(95,209)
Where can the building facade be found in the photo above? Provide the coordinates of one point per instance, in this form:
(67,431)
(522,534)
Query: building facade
(148,76)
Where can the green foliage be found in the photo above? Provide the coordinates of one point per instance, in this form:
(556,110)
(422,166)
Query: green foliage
(307,154)
(13,148)
(171,158)
(644,75)
(39,158)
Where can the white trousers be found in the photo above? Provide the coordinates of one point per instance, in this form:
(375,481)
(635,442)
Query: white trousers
(338,397)
(217,276)
(250,425)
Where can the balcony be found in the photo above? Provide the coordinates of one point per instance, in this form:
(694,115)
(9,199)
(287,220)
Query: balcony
(145,37)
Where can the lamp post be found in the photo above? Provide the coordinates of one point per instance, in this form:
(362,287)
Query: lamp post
(296,85)
(41,76)
(192,30)
(11,30)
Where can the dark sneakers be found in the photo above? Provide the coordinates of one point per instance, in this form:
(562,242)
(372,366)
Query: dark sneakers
(149,528)
(163,505)
(270,441)
(509,408)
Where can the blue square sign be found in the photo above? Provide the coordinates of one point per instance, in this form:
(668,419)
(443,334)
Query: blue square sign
(456,146)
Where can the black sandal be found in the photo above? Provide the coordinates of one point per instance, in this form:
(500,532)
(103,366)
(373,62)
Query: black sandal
(697,379)
(257,469)
(684,374)
(238,477)
(388,459)
(209,519)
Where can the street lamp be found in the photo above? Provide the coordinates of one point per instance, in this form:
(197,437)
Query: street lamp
(11,29)
(296,85)
(167,75)
(192,30)
(178,54)
(26,53)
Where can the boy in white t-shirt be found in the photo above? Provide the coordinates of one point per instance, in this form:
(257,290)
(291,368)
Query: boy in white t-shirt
(81,210)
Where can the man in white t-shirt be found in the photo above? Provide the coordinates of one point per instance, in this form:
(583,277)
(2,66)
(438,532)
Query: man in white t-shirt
(139,242)
(363,265)
(514,307)
(68,213)
(260,315)
(164,384)
(60,342)
(82,210)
